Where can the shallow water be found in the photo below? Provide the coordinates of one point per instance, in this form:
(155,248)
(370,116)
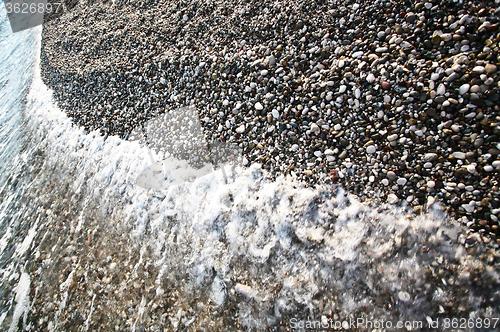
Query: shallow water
(83,248)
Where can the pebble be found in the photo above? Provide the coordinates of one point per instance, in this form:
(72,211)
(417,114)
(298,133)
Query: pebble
(272,60)
(401,181)
(430,156)
(386,85)
(371,149)
(488,168)
(478,70)
(464,88)
(391,175)
(441,90)
(431,184)
(258,106)
(392,137)
(490,68)
(315,128)
(458,155)
(392,199)
(240,129)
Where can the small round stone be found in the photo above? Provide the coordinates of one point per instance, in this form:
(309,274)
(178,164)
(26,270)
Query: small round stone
(464,88)
(490,68)
(240,129)
(471,169)
(371,149)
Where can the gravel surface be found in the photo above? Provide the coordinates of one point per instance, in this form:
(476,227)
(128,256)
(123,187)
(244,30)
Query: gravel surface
(396,100)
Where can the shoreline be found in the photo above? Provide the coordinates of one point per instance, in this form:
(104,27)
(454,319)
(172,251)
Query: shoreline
(396,100)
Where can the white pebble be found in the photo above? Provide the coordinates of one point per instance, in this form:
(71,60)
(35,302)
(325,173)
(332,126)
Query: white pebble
(392,199)
(359,54)
(478,70)
(459,155)
(404,296)
(371,149)
(315,128)
(258,106)
(385,182)
(467,207)
(428,165)
(431,184)
(370,78)
(488,168)
(401,181)
(441,89)
(464,88)
(392,137)
(471,169)
(240,129)
(357,93)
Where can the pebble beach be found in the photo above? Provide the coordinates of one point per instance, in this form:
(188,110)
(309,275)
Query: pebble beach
(395,102)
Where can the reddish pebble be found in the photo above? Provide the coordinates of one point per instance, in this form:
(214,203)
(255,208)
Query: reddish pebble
(334,175)
(492,27)
(386,85)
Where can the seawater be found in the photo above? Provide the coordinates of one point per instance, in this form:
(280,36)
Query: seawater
(83,248)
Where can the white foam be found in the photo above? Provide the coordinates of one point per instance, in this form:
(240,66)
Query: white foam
(22,301)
